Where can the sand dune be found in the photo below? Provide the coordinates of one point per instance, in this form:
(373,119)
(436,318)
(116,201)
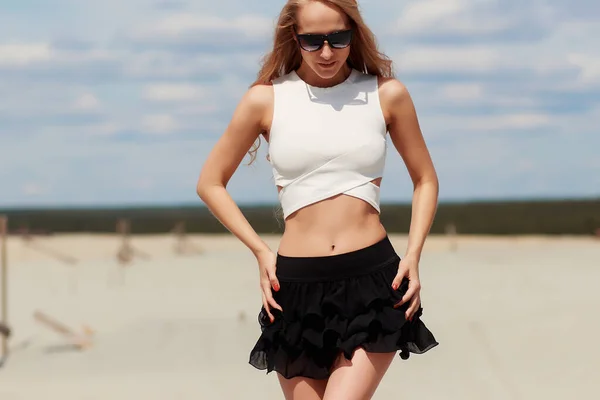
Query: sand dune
(516,318)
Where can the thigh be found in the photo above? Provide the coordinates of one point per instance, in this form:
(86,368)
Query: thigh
(357,379)
(300,388)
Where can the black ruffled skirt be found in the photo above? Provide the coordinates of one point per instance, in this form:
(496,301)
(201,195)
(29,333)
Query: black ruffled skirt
(335,304)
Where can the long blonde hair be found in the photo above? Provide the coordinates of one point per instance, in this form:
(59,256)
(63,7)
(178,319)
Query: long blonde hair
(285,56)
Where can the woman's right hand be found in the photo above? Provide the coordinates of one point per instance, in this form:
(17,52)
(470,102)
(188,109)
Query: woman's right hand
(268,280)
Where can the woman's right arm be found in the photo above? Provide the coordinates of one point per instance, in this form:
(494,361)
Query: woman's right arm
(246,124)
(250,117)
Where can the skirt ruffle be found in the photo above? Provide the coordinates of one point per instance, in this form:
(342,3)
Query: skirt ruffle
(320,320)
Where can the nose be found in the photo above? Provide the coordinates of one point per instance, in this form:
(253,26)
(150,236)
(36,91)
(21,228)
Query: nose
(326,52)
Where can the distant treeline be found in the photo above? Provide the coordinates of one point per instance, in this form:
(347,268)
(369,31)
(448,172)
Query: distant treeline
(575,217)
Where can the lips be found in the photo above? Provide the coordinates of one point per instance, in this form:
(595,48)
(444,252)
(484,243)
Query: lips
(327,65)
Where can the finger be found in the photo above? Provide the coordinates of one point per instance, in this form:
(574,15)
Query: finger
(269,296)
(398,279)
(272,302)
(414,286)
(414,305)
(407,296)
(410,293)
(274,281)
(266,307)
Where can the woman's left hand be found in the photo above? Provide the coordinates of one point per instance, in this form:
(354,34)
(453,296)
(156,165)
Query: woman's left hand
(409,268)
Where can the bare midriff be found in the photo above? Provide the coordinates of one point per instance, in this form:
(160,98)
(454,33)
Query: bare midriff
(336,225)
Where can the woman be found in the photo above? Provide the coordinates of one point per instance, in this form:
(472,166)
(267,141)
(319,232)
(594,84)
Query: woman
(338,302)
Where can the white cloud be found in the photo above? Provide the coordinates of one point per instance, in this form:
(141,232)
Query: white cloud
(204,28)
(101,129)
(508,122)
(35,103)
(448,59)
(159,123)
(179,24)
(470,98)
(479,58)
(28,55)
(86,102)
(18,55)
(424,14)
(195,110)
(173,92)
(462,92)
(589,65)
(165,64)
(428,18)
(464,128)
(556,48)
(33,189)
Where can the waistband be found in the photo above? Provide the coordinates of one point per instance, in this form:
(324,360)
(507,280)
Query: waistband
(337,266)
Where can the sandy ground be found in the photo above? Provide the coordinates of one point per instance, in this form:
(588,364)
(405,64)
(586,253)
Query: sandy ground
(516,318)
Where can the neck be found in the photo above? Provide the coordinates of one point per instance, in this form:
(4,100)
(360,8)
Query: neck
(310,77)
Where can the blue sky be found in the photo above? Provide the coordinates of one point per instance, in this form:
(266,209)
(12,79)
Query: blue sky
(119,102)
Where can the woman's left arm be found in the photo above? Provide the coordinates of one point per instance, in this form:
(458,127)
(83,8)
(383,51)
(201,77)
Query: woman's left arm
(406,135)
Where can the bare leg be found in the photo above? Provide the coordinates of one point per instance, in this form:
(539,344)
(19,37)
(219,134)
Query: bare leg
(357,379)
(302,388)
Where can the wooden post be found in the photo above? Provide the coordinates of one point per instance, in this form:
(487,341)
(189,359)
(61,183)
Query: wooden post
(34,244)
(125,253)
(4,283)
(451,234)
(81,340)
(182,244)
(179,237)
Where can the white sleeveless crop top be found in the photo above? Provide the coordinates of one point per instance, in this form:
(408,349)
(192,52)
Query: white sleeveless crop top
(326,141)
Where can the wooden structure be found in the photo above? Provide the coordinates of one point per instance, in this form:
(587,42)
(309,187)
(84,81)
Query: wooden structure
(80,340)
(451,235)
(32,243)
(182,244)
(127,252)
(4,327)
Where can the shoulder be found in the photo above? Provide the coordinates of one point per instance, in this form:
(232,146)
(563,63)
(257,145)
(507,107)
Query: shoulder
(258,97)
(395,99)
(392,91)
(256,105)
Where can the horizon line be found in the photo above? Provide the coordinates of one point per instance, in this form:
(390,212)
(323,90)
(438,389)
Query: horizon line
(200,204)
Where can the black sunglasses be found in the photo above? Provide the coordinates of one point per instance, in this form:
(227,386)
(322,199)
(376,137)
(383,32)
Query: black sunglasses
(314,42)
